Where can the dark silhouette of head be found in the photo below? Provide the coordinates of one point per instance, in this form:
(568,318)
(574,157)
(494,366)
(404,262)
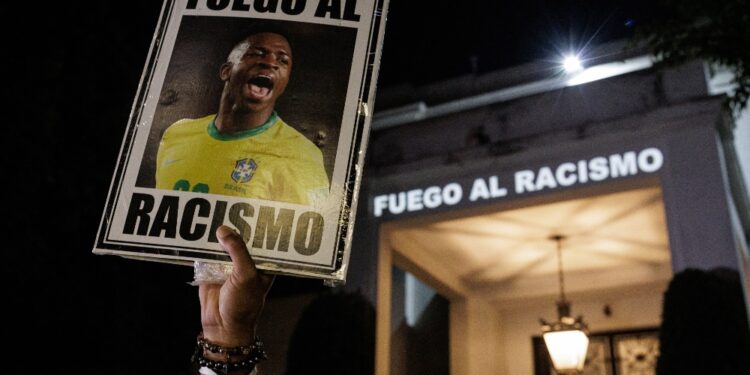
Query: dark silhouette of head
(335,335)
(704,325)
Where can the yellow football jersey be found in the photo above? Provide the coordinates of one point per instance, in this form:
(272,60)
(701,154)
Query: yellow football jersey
(273,162)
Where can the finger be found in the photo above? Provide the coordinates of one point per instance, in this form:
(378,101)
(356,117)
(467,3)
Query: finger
(208,295)
(233,244)
(206,292)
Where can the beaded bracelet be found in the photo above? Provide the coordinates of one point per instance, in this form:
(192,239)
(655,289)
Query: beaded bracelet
(255,351)
(236,350)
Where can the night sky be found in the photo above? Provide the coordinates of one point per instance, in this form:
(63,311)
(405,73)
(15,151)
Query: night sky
(70,94)
(453,38)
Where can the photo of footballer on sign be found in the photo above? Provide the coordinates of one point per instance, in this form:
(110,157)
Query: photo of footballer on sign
(252,119)
(242,146)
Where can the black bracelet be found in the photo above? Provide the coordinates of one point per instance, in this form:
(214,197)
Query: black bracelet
(257,345)
(255,351)
(225,367)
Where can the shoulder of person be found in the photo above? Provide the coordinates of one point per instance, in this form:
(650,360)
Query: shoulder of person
(193,121)
(189,123)
(302,143)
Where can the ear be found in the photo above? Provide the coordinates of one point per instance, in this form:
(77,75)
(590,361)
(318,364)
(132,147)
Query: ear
(225,71)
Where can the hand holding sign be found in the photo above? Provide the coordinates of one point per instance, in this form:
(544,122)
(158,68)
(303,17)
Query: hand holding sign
(229,311)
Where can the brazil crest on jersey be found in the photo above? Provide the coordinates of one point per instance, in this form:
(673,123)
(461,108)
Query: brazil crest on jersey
(271,162)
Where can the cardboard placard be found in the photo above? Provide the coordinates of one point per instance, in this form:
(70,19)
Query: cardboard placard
(253,114)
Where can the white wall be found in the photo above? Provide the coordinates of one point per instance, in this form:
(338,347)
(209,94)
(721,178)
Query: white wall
(474,337)
(742,143)
(719,81)
(636,310)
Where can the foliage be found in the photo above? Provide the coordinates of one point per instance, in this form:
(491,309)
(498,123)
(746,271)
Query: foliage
(716,31)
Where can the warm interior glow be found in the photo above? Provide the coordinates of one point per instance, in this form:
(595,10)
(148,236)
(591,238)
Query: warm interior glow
(514,242)
(567,350)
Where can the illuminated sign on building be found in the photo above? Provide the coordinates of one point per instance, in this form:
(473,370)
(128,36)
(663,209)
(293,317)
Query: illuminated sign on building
(563,175)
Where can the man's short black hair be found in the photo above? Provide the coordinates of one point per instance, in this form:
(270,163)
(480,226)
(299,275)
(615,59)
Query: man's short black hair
(268,28)
(260,29)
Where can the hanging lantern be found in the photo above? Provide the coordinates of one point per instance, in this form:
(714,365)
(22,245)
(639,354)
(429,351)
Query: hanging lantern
(566,339)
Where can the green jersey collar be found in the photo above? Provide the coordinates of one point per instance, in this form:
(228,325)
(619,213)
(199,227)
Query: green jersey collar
(214,133)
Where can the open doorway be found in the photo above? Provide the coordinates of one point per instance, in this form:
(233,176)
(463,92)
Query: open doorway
(420,327)
(497,268)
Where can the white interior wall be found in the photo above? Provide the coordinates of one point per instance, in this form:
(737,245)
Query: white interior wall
(475,338)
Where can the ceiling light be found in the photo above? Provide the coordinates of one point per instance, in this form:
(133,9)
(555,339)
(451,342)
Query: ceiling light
(566,339)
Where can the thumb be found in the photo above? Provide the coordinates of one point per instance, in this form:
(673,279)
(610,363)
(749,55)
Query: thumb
(243,265)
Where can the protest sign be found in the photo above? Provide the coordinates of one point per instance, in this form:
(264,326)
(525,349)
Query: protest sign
(253,114)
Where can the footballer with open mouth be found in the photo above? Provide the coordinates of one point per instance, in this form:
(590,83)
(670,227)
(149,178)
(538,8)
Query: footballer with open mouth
(256,74)
(246,149)
(259,86)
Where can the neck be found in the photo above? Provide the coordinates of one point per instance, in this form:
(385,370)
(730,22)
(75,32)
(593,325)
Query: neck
(230,120)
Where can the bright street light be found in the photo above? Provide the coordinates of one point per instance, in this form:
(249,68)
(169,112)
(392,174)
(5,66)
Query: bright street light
(572,64)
